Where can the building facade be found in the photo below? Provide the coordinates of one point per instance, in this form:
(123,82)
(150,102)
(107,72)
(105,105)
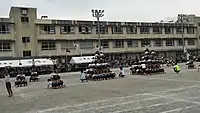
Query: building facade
(24,35)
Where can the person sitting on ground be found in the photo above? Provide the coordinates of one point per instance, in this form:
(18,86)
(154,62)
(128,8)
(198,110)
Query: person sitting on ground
(198,67)
(177,68)
(49,83)
(61,84)
(52,74)
(122,73)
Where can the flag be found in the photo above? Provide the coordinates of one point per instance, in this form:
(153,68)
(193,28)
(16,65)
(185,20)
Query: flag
(68,51)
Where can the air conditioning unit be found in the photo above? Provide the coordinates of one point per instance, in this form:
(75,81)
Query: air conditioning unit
(72,29)
(89,30)
(24,12)
(83,29)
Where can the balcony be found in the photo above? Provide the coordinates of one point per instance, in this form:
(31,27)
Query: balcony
(6,35)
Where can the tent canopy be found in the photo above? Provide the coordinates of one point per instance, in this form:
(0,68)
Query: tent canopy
(25,63)
(82,60)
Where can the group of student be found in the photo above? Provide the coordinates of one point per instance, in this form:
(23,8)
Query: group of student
(55,81)
(21,80)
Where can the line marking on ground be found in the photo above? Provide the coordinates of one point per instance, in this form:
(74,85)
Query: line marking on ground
(106,100)
(180,109)
(113,105)
(154,105)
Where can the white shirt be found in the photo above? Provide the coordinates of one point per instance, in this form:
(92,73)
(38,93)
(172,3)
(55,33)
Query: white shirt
(143,66)
(50,84)
(52,74)
(7,78)
(122,72)
(82,77)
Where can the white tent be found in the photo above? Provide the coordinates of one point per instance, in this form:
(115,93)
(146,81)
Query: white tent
(82,60)
(25,62)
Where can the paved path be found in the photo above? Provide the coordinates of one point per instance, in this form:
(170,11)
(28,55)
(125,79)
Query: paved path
(169,93)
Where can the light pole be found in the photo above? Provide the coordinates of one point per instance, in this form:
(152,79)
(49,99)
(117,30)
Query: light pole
(98,14)
(182,18)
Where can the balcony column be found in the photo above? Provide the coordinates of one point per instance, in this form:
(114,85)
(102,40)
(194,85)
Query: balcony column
(138,30)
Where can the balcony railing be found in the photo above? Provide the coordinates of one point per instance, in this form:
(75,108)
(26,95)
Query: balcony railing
(5,32)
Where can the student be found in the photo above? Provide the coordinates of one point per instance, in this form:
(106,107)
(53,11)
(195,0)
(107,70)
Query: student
(8,84)
(122,73)
(82,76)
(177,68)
(49,83)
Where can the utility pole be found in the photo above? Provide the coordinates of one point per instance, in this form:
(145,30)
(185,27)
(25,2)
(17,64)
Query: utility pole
(98,14)
(181,19)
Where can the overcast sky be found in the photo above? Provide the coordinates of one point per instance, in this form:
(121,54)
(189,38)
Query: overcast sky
(122,10)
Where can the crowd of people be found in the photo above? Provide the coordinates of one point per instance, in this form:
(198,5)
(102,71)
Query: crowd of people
(149,63)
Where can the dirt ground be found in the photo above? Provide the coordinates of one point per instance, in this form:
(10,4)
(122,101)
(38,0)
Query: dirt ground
(167,93)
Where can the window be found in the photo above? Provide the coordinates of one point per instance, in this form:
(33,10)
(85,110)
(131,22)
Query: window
(145,43)
(144,30)
(24,19)
(131,30)
(4,29)
(5,46)
(66,30)
(25,39)
(178,30)
(168,30)
(132,43)
(86,44)
(157,30)
(48,29)
(170,42)
(103,30)
(190,30)
(191,42)
(179,42)
(67,45)
(105,44)
(158,43)
(118,44)
(48,45)
(85,30)
(198,24)
(26,53)
(117,30)
(24,11)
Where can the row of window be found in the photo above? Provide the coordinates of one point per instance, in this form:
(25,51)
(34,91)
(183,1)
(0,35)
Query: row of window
(50,29)
(51,45)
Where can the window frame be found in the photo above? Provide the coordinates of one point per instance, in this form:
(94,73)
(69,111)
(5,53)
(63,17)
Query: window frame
(103,30)
(117,29)
(118,44)
(189,43)
(144,30)
(27,53)
(48,45)
(157,30)
(24,19)
(25,39)
(169,44)
(145,42)
(86,44)
(156,44)
(5,29)
(105,43)
(132,43)
(5,46)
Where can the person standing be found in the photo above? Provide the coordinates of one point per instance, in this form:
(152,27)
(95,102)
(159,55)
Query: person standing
(8,83)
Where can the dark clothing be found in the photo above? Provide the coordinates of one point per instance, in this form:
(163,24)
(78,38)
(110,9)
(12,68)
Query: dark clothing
(8,87)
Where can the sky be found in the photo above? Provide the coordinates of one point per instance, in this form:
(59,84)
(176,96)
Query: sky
(115,10)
